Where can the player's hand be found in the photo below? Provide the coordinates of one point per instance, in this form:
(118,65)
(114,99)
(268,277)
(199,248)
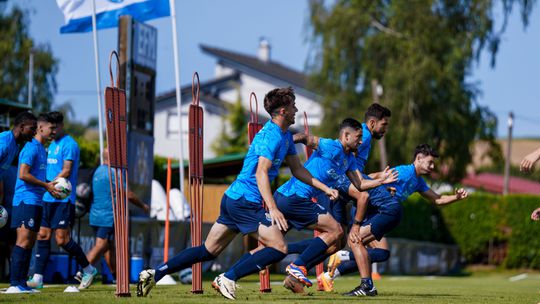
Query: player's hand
(527,164)
(278,219)
(535,215)
(389,176)
(354,234)
(52,190)
(146,209)
(332,194)
(461,193)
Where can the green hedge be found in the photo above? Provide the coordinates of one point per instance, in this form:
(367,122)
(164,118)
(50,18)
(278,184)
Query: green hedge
(474,222)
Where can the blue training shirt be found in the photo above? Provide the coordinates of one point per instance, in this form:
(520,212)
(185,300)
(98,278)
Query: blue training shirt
(8,150)
(60,150)
(271,143)
(364,148)
(380,196)
(34,155)
(101,212)
(327,164)
(408,182)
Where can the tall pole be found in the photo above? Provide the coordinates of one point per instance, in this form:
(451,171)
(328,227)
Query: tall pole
(178,94)
(98,81)
(508,154)
(377,92)
(30,78)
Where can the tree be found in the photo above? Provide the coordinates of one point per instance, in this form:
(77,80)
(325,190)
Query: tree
(15,47)
(234,141)
(421,52)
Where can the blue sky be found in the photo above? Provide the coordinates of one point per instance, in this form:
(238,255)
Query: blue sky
(238,25)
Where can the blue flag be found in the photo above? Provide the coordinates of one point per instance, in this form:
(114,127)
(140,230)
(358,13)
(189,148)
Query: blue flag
(78,13)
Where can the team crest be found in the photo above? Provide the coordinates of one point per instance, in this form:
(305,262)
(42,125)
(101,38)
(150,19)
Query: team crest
(268,218)
(31,223)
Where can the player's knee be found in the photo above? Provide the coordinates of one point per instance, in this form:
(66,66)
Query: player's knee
(281,247)
(43,235)
(61,239)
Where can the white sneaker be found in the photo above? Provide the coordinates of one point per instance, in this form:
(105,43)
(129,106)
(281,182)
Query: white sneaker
(17,289)
(146,282)
(87,279)
(226,286)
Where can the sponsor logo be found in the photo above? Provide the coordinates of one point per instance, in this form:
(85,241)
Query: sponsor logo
(61,222)
(52,161)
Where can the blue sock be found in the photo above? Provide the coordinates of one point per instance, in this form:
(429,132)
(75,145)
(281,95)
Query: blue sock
(184,259)
(27,257)
(312,252)
(347,267)
(377,255)
(368,282)
(298,247)
(17,265)
(43,252)
(75,250)
(244,257)
(318,260)
(258,261)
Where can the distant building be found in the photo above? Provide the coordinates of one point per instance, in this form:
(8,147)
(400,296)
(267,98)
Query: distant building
(236,76)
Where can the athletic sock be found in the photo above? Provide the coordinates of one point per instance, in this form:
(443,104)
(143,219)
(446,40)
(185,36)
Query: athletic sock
(368,282)
(257,262)
(75,250)
(88,269)
(17,265)
(184,259)
(244,257)
(316,261)
(43,252)
(312,252)
(347,267)
(27,257)
(298,247)
(377,255)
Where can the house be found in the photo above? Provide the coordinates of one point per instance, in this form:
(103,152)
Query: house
(236,76)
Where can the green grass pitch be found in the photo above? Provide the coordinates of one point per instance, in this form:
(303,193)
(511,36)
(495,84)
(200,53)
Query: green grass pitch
(477,288)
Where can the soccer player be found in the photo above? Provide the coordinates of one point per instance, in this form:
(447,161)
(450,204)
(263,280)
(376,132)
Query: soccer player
(241,205)
(410,181)
(59,214)
(101,215)
(527,165)
(27,202)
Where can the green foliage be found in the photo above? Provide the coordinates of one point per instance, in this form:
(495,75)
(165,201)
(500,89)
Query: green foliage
(473,223)
(89,152)
(235,140)
(15,47)
(422,52)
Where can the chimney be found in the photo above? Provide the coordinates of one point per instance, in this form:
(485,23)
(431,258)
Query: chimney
(264,50)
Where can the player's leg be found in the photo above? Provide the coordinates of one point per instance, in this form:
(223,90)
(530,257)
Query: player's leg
(43,250)
(363,263)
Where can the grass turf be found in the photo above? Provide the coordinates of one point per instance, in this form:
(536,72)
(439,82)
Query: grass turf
(477,288)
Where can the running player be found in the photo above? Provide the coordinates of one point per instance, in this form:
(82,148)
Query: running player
(241,205)
(27,202)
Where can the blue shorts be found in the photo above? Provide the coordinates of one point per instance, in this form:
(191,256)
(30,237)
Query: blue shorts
(57,215)
(382,220)
(242,216)
(300,212)
(106,233)
(336,208)
(27,215)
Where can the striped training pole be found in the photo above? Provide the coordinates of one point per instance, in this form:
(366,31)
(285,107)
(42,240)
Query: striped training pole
(319,268)
(253,128)
(196,177)
(116,122)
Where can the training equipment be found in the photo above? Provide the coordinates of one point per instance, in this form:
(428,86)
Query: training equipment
(63,186)
(254,126)
(116,122)
(3,216)
(196,178)
(186,276)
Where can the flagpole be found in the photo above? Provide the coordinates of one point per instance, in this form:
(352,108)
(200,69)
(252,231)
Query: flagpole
(98,81)
(178,94)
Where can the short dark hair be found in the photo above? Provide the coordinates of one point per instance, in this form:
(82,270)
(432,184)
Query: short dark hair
(277,98)
(24,118)
(350,123)
(426,150)
(44,117)
(56,117)
(377,111)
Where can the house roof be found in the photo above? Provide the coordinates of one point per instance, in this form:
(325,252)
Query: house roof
(13,105)
(271,68)
(495,182)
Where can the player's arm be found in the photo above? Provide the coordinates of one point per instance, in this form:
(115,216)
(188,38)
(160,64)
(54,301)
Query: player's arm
(135,200)
(361,207)
(263,183)
(387,176)
(25,175)
(310,141)
(302,174)
(527,164)
(438,199)
(355,178)
(67,166)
